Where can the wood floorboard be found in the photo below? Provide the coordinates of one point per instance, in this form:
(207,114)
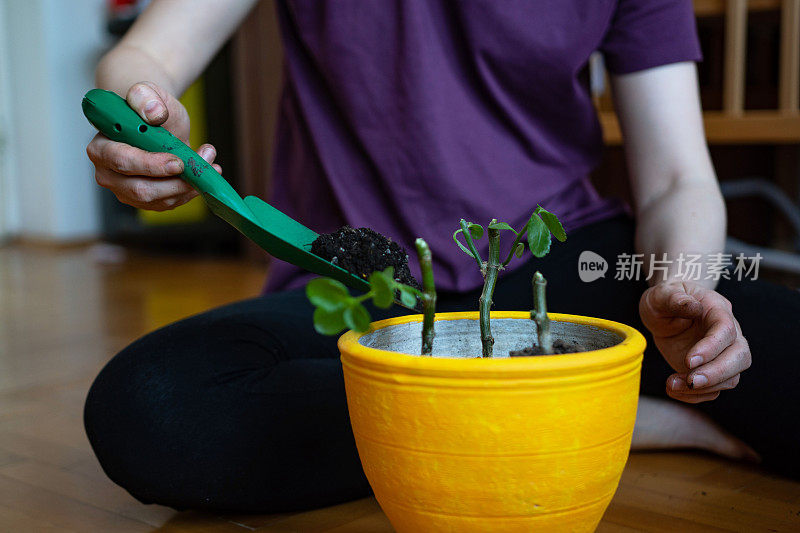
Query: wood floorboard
(62,316)
(322,520)
(14,520)
(63,511)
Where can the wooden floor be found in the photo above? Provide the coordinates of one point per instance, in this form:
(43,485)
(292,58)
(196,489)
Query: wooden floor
(63,314)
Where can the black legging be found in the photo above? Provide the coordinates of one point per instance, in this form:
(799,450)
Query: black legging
(242,408)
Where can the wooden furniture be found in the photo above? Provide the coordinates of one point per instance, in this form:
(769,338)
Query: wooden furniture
(734,124)
(257,77)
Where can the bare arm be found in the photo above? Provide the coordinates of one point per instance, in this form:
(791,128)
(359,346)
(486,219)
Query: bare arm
(171,43)
(679,209)
(168,47)
(678,204)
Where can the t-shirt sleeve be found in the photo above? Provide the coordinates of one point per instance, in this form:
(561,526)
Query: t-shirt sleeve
(649,33)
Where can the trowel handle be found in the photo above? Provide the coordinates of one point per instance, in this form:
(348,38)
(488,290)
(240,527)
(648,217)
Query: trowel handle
(115,119)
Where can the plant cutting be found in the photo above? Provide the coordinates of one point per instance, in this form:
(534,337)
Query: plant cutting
(537,229)
(545,345)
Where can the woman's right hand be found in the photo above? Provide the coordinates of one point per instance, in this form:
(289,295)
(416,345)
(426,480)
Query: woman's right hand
(144,179)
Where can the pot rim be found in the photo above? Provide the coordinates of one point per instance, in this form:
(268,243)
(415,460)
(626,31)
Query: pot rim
(628,350)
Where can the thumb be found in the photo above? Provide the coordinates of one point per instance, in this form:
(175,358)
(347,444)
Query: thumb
(149,101)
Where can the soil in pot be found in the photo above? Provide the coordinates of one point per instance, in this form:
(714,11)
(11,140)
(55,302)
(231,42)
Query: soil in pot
(460,338)
(559,347)
(362,251)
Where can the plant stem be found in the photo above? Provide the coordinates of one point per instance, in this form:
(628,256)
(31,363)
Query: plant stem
(471,243)
(539,313)
(428,296)
(365,296)
(489,281)
(519,238)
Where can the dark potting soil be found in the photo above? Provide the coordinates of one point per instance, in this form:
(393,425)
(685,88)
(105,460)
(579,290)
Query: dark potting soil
(559,347)
(362,251)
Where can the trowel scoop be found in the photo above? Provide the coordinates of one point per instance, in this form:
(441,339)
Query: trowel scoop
(278,234)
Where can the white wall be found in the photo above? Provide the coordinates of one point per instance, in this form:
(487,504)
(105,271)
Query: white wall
(52,47)
(9,195)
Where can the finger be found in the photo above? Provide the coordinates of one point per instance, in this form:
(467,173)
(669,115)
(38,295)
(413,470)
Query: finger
(677,383)
(162,204)
(734,360)
(149,101)
(141,189)
(148,192)
(207,152)
(131,161)
(721,332)
(693,398)
(172,203)
(191,195)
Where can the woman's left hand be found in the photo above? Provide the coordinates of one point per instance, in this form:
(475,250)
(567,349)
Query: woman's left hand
(696,332)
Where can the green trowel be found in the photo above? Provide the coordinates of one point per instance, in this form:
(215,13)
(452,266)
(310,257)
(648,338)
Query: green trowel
(280,235)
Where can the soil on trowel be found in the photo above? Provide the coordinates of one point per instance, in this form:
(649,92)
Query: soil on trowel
(559,347)
(362,251)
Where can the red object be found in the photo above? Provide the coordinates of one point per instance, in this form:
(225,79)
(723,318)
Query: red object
(120,14)
(125,8)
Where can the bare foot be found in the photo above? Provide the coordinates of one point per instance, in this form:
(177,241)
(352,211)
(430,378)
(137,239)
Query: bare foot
(666,424)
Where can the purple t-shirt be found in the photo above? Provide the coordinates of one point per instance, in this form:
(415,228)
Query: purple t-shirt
(406,116)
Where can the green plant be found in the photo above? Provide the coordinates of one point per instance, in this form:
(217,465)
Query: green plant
(428,296)
(336,309)
(538,229)
(539,313)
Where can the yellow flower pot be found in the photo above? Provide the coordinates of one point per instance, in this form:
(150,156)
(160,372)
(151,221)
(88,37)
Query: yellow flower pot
(459,444)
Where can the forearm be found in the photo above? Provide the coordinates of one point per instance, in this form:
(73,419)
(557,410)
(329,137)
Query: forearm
(687,218)
(171,43)
(126,65)
(679,208)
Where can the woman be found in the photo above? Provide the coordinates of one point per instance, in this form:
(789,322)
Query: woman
(406,117)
